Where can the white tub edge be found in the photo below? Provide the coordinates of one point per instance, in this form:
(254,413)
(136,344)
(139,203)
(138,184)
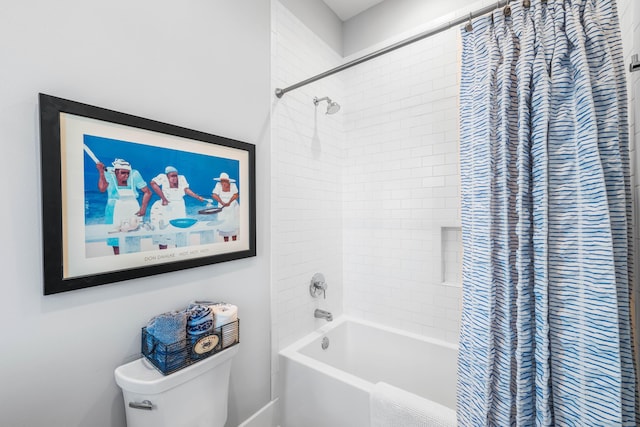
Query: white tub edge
(292,350)
(296,345)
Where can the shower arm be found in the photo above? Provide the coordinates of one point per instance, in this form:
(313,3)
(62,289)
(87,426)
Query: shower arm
(316,101)
(482,11)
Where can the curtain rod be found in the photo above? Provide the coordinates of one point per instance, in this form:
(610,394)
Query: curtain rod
(500,3)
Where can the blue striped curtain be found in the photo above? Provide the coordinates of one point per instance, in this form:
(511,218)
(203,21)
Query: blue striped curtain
(546,215)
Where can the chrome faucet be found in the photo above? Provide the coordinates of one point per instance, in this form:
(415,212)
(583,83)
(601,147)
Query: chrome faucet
(323,314)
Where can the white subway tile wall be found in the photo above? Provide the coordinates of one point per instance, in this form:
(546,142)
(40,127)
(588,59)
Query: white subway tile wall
(363,193)
(307,161)
(401,186)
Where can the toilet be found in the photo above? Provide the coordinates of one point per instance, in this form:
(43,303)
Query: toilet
(195,396)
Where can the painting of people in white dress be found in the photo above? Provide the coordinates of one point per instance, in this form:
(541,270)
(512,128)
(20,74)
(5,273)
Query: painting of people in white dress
(141,198)
(125,196)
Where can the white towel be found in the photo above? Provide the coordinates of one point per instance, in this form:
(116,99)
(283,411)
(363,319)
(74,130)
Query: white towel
(391,406)
(223,313)
(226,313)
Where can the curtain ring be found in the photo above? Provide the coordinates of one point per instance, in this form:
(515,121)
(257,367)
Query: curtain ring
(469,26)
(507,10)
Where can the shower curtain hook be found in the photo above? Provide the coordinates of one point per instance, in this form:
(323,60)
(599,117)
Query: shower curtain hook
(507,9)
(469,26)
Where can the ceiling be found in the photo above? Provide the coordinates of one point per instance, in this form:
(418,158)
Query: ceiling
(346,9)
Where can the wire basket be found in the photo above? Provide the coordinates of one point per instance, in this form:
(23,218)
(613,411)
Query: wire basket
(169,358)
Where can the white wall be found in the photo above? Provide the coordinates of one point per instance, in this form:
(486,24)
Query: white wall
(201,65)
(391,17)
(401,187)
(320,19)
(307,168)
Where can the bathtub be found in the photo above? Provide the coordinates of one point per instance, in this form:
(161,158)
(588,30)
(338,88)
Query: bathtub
(330,387)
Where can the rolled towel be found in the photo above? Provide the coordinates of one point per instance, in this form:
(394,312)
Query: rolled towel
(196,303)
(392,406)
(169,327)
(166,335)
(199,324)
(224,316)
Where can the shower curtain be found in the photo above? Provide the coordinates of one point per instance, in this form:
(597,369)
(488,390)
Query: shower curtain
(546,214)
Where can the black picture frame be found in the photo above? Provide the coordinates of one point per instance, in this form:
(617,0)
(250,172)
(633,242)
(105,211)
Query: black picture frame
(79,242)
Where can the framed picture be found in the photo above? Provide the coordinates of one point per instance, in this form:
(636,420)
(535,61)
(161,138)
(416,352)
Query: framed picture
(126,197)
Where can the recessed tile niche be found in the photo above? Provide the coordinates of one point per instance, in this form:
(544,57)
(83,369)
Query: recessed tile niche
(451,255)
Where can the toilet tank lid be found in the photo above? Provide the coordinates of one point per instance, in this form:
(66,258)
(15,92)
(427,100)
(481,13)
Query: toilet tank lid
(140,376)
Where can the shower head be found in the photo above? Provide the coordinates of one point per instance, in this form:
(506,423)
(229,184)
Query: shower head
(332,107)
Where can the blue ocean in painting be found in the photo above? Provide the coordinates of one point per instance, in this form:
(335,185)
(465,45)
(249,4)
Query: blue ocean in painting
(199,169)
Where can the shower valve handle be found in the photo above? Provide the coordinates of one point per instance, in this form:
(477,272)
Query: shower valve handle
(318,286)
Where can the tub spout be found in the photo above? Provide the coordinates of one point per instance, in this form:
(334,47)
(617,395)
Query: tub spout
(323,314)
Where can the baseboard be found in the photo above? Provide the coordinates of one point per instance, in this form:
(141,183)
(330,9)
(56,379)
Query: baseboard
(267,416)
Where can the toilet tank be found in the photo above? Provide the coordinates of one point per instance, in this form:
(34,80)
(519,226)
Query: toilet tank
(195,396)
